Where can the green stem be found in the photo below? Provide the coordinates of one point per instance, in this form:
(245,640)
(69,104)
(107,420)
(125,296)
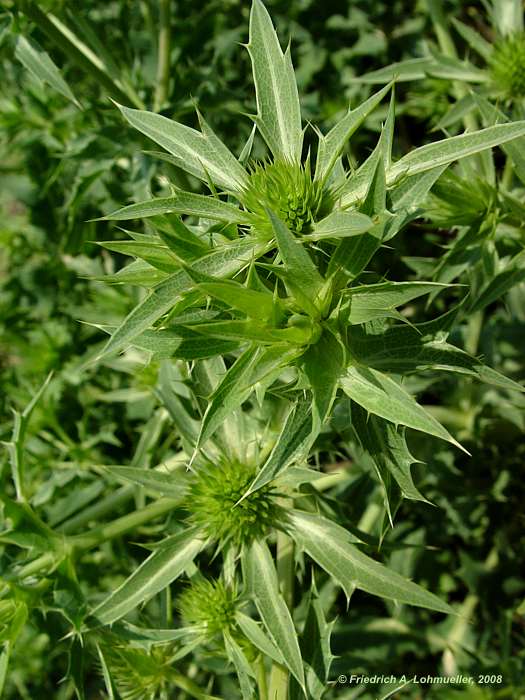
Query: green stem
(101,534)
(122,525)
(163,61)
(279,675)
(261,678)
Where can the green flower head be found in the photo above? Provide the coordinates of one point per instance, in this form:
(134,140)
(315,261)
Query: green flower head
(288,190)
(208,604)
(507,66)
(213,502)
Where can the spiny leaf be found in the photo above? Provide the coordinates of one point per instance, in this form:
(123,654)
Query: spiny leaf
(323,364)
(255,304)
(340,224)
(278,110)
(222,262)
(182,203)
(162,567)
(374,300)
(331,146)
(291,445)
(264,587)
(448,150)
(303,275)
(382,396)
(257,637)
(163,483)
(39,63)
(200,154)
(333,548)
(387,447)
(241,664)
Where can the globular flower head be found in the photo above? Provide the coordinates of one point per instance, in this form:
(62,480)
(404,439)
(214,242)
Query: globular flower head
(289,191)
(137,673)
(209,604)
(507,66)
(213,502)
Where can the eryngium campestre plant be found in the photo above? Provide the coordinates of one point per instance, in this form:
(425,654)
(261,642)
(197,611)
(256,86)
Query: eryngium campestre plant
(298,240)
(270,271)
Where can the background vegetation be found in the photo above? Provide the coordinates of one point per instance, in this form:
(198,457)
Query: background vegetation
(65,161)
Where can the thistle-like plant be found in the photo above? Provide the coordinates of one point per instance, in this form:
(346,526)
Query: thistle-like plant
(297,240)
(276,324)
(270,270)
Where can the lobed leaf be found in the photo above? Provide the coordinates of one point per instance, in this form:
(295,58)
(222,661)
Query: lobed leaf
(333,548)
(382,396)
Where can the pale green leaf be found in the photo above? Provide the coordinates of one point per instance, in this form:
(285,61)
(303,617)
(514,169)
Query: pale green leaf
(473,38)
(264,587)
(163,483)
(155,254)
(162,567)
(232,391)
(200,154)
(242,666)
(340,224)
(278,110)
(137,272)
(331,146)
(257,637)
(182,343)
(412,191)
(186,203)
(411,69)
(450,68)
(507,16)
(315,647)
(302,274)
(382,396)
(513,274)
(323,364)
(371,301)
(333,548)
(448,150)
(386,445)
(223,262)
(291,446)
(255,365)
(39,63)
(255,304)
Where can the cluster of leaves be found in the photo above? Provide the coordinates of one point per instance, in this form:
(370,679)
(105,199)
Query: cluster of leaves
(270,369)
